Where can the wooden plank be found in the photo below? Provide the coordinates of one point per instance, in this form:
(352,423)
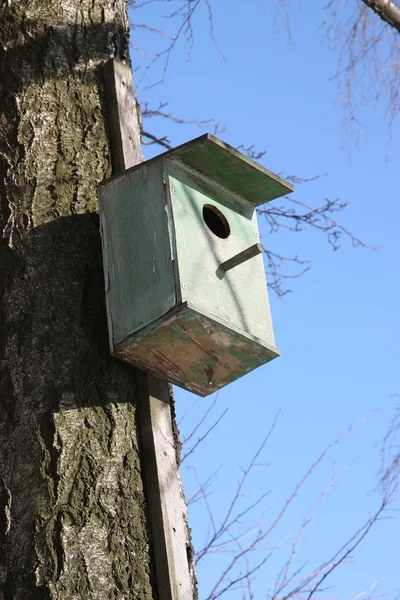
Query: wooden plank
(238,173)
(194,351)
(164,490)
(123,116)
(165,496)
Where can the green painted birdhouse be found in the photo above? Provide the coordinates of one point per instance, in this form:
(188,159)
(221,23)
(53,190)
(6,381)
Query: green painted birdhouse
(185,284)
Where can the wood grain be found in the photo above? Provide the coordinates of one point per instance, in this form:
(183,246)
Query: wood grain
(123,116)
(164,490)
(237,172)
(136,251)
(195,351)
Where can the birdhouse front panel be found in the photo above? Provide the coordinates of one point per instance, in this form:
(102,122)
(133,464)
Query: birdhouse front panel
(211,226)
(185,284)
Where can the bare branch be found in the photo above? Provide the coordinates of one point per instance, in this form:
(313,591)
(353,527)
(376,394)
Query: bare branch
(296,218)
(147,112)
(204,436)
(251,152)
(348,548)
(241,543)
(285,576)
(390,451)
(183,15)
(386,10)
(318,217)
(228,521)
(276,276)
(200,423)
(368,54)
(149,139)
(369,60)
(202,488)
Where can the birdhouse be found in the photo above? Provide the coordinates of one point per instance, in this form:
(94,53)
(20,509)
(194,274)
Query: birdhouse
(185,284)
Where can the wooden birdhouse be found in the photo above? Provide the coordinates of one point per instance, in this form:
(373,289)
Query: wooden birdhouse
(185,284)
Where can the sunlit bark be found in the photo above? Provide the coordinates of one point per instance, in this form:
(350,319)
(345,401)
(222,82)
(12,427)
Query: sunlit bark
(73,520)
(388,11)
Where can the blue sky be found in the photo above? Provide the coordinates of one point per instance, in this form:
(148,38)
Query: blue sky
(338,330)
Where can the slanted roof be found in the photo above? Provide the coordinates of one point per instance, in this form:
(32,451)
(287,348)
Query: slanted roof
(230,168)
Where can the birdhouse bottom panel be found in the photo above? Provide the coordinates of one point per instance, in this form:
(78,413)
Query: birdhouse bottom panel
(193,351)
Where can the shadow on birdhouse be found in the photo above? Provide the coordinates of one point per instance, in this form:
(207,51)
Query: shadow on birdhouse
(185,283)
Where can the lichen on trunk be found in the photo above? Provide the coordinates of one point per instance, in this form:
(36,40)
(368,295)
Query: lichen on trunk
(73,516)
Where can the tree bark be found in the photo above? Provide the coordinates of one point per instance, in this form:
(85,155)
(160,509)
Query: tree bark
(73,516)
(386,10)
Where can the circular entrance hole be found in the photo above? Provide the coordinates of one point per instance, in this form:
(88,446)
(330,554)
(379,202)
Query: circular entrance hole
(215,221)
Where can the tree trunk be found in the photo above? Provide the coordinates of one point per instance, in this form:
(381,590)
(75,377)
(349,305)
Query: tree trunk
(73,516)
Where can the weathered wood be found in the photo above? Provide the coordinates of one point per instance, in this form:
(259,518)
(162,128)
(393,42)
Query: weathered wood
(237,172)
(241,257)
(123,116)
(164,490)
(185,324)
(138,269)
(196,352)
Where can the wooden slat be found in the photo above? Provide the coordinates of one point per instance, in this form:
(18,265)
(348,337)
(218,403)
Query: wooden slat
(238,173)
(123,118)
(164,492)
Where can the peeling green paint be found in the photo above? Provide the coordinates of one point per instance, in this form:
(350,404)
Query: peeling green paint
(159,302)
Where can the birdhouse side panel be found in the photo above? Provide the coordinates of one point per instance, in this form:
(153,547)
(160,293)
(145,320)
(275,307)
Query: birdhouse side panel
(139,277)
(238,298)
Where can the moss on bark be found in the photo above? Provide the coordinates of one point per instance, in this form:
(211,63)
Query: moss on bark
(73,519)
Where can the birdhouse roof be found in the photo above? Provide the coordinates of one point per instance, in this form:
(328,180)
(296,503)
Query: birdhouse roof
(229,167)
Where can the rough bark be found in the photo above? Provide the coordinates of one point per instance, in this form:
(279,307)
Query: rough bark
(386,10)
(73,520)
